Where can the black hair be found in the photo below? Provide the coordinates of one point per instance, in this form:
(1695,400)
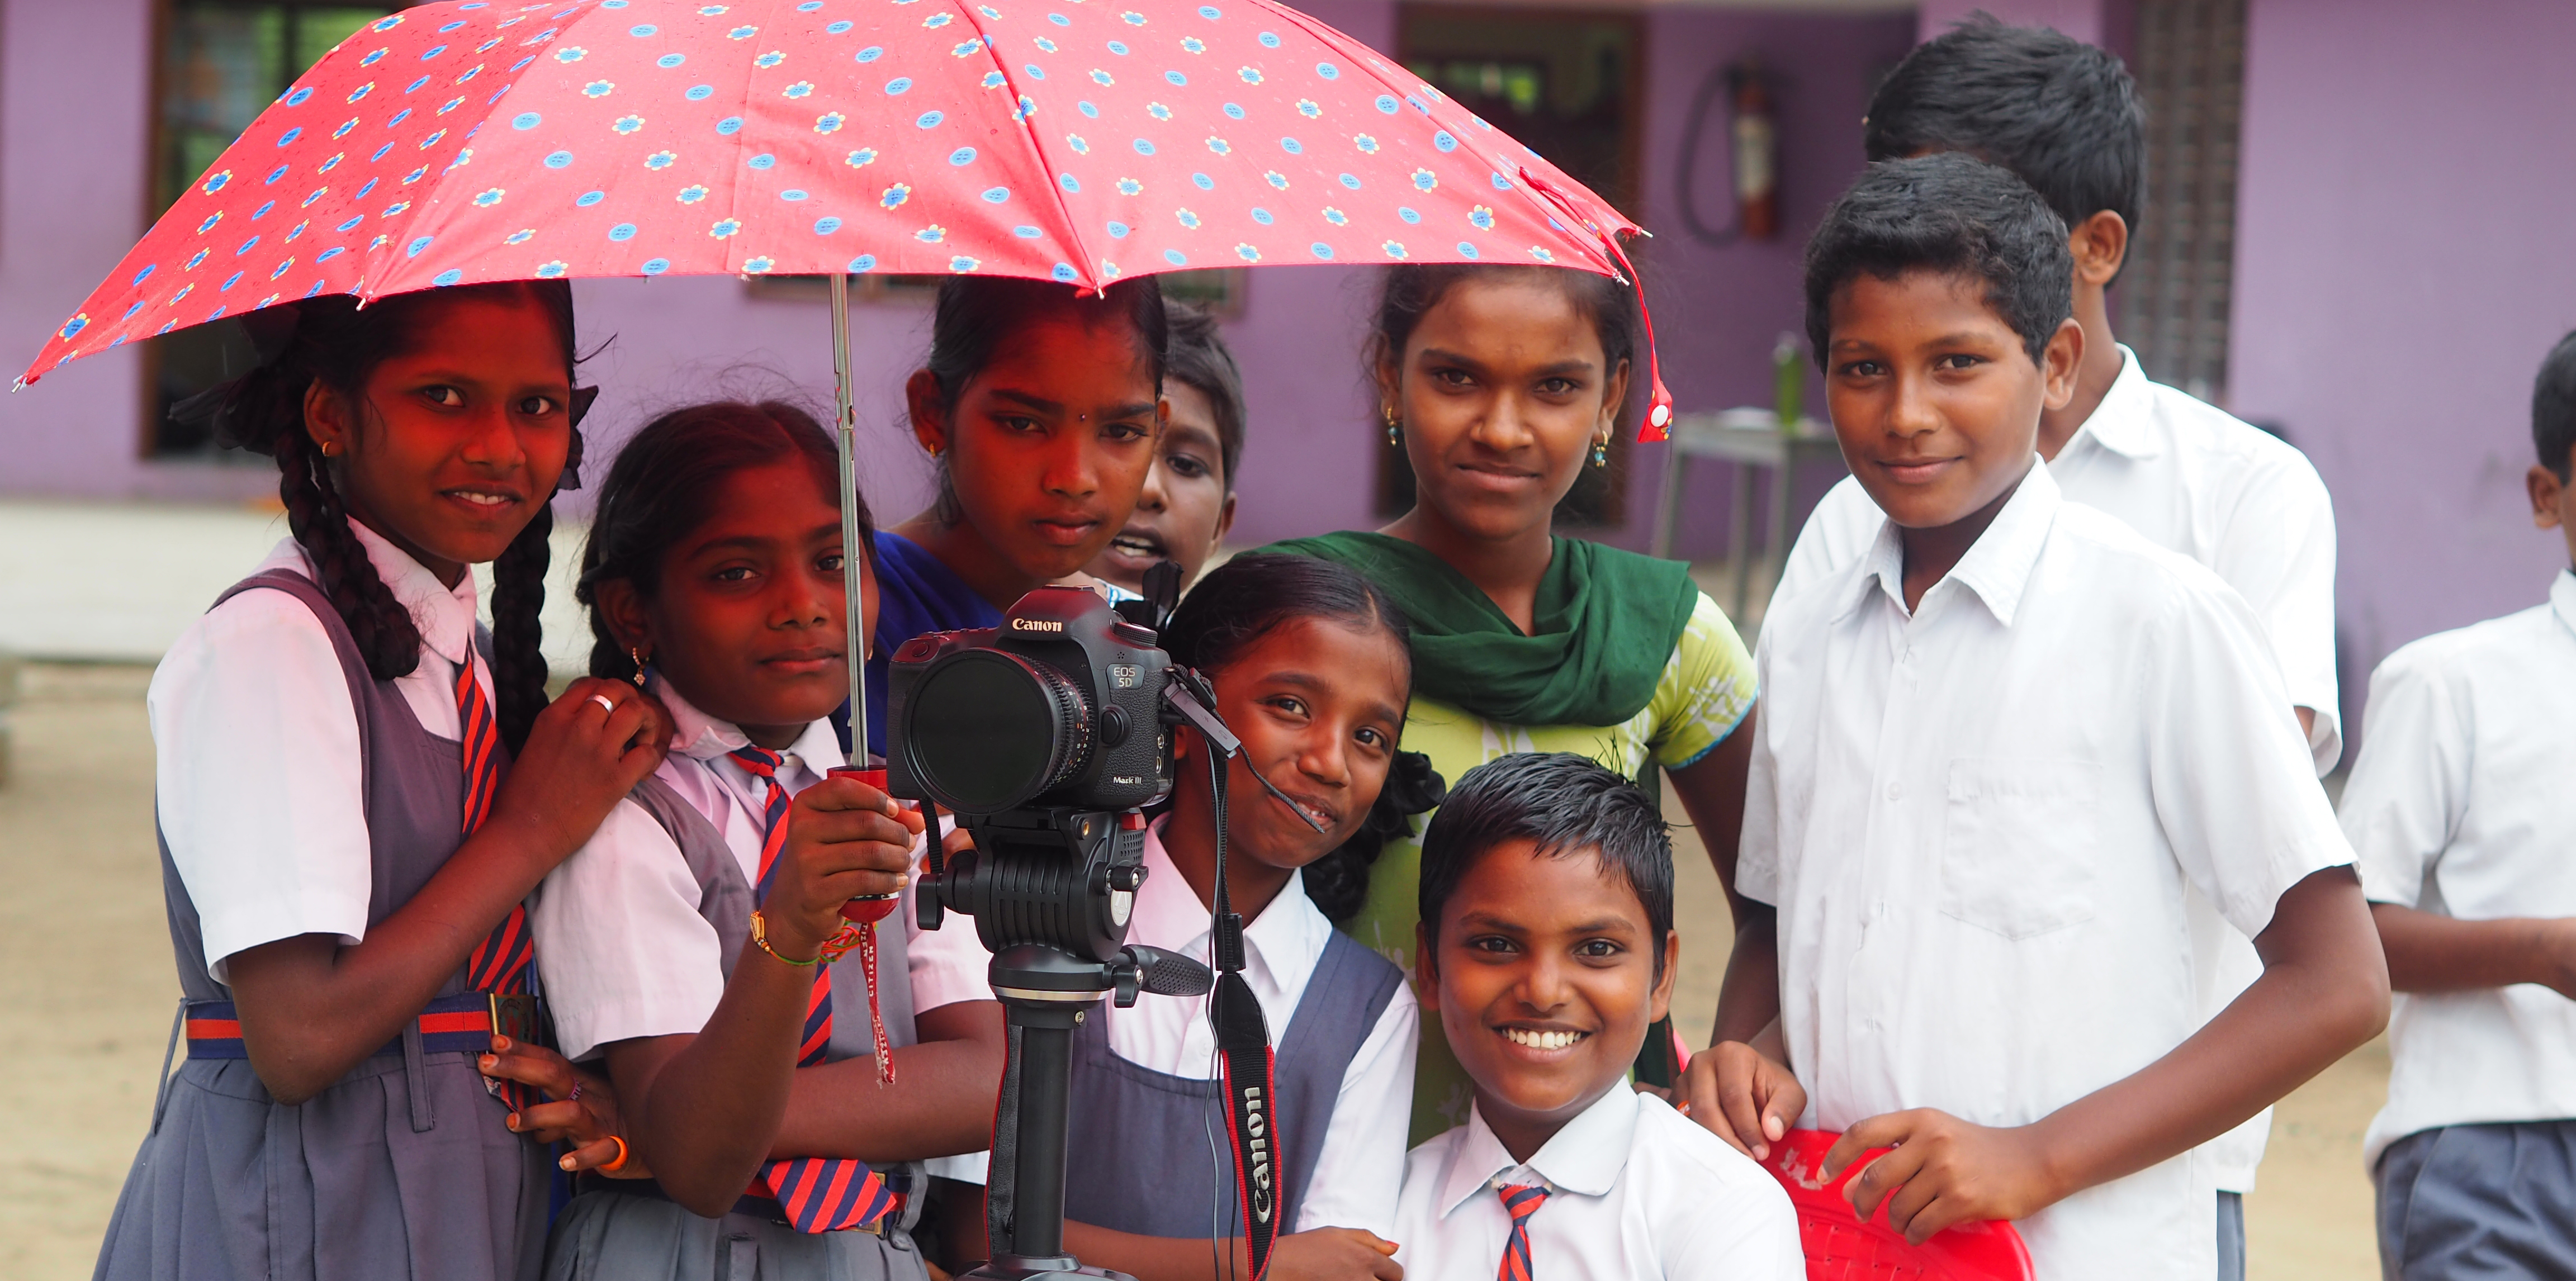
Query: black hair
(976,315)
(1951,214)
(1246,599)
(660,488)
(336,343)
(1199,358)
(2553,409)
(1408,291)
(1565,805)
(2060,113)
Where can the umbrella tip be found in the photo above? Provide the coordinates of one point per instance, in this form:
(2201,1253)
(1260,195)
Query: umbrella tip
(17,384)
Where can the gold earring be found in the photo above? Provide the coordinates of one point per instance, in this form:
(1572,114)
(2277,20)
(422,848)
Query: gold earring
(636,656)
(1394,427)
(1601,452)
(330,449)
(934,450)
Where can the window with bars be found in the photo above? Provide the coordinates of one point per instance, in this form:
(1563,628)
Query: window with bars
(2178,283)
(221,63)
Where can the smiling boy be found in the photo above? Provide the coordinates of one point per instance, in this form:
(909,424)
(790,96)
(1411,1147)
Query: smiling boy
(1998,749)
(1547,948)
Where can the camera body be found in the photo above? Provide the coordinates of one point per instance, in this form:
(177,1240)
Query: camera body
(1059,707)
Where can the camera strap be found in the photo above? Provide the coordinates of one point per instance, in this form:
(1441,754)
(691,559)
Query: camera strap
(1243,1045)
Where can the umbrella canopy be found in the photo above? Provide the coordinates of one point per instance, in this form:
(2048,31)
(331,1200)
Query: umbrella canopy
(1077,140)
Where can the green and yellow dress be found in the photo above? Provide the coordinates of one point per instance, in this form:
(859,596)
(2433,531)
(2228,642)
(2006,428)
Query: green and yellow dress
(1630,664)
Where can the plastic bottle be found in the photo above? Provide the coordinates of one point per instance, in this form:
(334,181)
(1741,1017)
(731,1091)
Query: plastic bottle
(1788,382)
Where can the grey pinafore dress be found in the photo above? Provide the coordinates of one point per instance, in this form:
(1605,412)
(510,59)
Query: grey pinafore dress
(1141,1138)
(400,1169)
(625,1230)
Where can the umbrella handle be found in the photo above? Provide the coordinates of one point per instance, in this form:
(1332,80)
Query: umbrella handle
(1659,399)
(855,640)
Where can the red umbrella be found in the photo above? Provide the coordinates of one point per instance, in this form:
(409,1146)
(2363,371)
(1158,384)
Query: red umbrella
(1078,140)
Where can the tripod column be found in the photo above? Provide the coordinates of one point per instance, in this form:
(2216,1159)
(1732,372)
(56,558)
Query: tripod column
(1046,1064)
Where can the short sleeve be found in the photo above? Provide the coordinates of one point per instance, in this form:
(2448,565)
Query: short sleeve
(620,943)
(1757,858)
(2409,786)
(2235,788)
(2279,554)
(259,777)
(1360,1168)
(1706,689)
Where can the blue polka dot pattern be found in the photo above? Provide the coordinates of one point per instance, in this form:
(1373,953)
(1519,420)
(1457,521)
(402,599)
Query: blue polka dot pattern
(603,138)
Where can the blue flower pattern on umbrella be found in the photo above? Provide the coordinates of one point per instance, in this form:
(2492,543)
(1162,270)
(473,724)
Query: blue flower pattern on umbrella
(596,86)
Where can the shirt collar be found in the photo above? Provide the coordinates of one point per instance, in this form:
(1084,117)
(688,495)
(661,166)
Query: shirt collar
(443,614)
(699,736)
(2562,597)
(1997,566)
(2121,422)
(1280,942)
(1585,1157)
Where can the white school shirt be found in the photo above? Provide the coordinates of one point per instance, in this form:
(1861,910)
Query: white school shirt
(1636,1191)
(1361,1163)
(624,951)
(2195,480)
(2463,803)
(1978,823)
(255,745)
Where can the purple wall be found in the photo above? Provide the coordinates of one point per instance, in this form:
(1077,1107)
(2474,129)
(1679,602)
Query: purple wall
(2400,271)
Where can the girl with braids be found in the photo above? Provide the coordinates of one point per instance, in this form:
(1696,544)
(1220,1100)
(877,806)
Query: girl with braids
(1502,384)
(343,855)
(1311,670)
(1041,408)
(682,941)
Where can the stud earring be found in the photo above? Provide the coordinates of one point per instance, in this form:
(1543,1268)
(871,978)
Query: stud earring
(637,657)
(1601,452)
(934,451)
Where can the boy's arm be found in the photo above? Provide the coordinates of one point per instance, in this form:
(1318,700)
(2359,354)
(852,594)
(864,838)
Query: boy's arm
(1741,1089)
(2323,991)
(1324,1254)
(2429,952)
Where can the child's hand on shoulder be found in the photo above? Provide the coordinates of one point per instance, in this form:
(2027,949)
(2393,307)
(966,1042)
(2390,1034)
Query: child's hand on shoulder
(586,750)
(845,840)
(1741,1095)
(1333,1254)
(1943,1171)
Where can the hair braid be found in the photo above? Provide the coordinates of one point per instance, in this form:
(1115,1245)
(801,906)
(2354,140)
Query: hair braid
(518,595)
(386,635)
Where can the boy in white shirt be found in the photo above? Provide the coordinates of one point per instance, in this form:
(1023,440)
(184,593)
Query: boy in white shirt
(2064,117)
(2460,808)
(1547,948)
(1998,749)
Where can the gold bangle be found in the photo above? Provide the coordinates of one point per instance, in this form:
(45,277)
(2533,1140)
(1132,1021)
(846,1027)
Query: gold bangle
(760,938)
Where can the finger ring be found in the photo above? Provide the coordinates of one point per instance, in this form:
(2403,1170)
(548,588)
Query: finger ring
(604,704)
(613,1167)
(576,1091)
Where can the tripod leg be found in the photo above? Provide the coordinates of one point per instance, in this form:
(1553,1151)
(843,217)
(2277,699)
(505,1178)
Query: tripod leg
(1038,1201)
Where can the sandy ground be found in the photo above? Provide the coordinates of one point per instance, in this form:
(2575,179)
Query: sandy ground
(86,996)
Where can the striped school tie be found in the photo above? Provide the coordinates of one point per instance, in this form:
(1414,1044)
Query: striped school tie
(1520,1200)
(500,963)
(820,1194)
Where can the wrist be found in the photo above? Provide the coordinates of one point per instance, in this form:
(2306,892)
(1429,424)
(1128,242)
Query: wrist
(2057,1165)
(784,942)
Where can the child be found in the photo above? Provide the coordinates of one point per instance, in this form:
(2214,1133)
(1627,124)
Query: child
(2064,117)
(1310,670)
(343,858)
(2001,745)
(1188,501)
(685,934)
(1041,408)
(2459,807)
(1503,384)
(1547,948)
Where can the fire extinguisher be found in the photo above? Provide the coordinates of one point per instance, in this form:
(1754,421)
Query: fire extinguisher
(1755,137)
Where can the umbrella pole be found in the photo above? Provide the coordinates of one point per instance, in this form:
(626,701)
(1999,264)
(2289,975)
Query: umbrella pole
(853,548)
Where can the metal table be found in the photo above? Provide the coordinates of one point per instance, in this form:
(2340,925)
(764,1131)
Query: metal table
(1751,439)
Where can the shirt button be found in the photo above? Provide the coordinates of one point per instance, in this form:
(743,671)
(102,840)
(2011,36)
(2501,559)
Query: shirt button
(1896,791)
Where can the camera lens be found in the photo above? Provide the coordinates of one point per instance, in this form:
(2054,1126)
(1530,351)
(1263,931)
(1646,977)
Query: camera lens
(991,730)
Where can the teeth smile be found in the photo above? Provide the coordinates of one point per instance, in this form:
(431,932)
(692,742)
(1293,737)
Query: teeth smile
(1537,1040)
(1137,546)
(482,500)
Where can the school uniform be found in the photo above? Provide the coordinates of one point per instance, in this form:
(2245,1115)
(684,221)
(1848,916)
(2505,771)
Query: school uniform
(1146,1097)
(1629,1190)
(2460,805)
(299,795)
(2196,480)
(1981,822)
(642,926)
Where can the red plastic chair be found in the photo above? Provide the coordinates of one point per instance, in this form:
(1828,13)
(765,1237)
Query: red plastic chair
(1841,1247)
